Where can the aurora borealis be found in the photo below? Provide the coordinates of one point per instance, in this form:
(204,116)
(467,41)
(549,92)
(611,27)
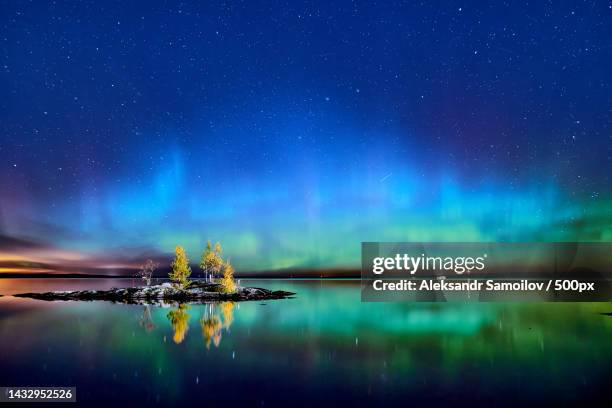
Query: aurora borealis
(292,132)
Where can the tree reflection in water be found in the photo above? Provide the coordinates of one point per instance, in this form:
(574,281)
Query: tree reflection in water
(216,318)
(146,321)
(179,319)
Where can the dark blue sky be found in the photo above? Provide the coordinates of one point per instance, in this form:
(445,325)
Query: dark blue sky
(292,131)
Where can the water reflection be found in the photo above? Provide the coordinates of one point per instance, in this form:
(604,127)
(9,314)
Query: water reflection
(146,321)
(211,330)
(179,319)
(216,318)
(325,338)
(227,311)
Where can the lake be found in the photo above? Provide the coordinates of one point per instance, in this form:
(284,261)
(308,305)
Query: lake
(323,347)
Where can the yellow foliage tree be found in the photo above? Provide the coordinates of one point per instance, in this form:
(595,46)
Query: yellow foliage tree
(211,261)
(228,285)
(180,267)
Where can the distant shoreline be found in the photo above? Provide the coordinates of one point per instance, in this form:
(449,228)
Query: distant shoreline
(298,274)
(10,275)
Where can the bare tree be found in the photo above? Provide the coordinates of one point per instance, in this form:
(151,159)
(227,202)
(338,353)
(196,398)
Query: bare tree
(147,270)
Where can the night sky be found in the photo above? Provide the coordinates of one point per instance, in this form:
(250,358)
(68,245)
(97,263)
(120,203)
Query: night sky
(292,132)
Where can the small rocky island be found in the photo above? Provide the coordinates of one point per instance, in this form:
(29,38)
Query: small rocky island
(196,291)
(181,289)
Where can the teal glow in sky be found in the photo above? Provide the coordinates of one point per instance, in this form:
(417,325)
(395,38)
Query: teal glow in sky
(291,134)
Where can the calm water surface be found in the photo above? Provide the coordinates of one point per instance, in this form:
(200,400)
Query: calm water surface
(324,347)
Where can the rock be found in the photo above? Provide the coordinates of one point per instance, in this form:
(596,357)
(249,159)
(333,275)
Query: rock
(197,291)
